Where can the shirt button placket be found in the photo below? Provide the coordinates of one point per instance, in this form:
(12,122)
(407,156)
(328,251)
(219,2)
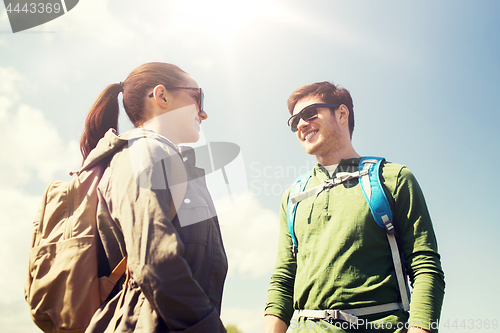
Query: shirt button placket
(326,214)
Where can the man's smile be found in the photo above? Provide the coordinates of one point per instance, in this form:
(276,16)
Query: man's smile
(308,135)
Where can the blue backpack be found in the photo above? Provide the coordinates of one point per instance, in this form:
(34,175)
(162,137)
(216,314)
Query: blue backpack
(369,179)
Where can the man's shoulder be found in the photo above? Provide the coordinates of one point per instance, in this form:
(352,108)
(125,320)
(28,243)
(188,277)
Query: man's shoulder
(391,168)
(286,194)
(396,176)
(397,170)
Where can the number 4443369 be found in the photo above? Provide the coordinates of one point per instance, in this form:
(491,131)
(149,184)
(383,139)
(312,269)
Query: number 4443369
(476,324)
(34,8)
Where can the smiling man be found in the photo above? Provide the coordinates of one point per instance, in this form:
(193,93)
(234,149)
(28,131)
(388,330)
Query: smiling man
(336,265)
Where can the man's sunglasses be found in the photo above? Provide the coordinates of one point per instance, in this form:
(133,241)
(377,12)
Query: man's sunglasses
(199,99)
(308,113)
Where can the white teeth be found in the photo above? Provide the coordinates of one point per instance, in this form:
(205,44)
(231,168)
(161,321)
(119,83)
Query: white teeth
(309,135)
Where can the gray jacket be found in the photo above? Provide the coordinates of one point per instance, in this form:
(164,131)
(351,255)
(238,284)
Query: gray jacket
(177,265)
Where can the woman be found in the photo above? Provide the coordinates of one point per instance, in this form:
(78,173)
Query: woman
(155,209)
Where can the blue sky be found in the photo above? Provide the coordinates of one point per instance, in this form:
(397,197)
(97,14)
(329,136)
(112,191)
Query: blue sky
(424,78)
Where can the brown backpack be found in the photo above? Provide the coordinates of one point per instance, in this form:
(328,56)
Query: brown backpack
(63,288)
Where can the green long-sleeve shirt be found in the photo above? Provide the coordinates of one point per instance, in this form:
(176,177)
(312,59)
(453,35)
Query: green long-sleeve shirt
(344,259)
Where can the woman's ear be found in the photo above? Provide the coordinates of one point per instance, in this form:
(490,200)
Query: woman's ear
(160,94)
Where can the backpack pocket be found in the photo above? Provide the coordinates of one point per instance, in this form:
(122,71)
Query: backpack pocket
(62,293)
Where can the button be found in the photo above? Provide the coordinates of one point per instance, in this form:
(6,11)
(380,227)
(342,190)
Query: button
(187,200)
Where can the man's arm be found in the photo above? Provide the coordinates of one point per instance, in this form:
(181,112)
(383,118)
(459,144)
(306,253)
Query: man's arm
(273,324)
(279,306)
(419,246)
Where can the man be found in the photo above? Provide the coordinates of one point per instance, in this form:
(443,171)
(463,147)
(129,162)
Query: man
(344,260)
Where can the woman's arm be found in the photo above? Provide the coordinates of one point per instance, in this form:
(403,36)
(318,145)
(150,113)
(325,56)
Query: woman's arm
(156,251)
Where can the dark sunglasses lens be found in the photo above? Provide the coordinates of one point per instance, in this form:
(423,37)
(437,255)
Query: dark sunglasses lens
(295,122)
(306,114)
(201,100)
(309,113)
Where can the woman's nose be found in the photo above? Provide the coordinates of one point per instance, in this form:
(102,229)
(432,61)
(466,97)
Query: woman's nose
(203,115)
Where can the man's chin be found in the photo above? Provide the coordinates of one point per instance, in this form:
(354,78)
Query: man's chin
(310,149)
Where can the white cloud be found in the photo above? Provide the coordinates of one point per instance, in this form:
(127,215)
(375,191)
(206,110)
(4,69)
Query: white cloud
(11,82)
(5,104)
(18,210)
(4,24)
(32,147)
(104,24)
(250,234)
(90,17)
(247,320)
(31,150)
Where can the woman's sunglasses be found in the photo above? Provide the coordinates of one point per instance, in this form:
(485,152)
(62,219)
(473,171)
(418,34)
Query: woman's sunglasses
(199,99)
(308,113)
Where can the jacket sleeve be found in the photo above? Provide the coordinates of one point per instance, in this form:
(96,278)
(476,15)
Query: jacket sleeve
(142,205)
(419,246)
(280,294)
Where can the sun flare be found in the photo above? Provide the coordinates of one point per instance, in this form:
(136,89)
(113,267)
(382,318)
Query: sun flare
(221,19)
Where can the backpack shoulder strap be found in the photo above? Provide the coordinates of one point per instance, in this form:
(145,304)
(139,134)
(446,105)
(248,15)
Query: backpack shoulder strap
(374,193)
(382,213)
(298,186)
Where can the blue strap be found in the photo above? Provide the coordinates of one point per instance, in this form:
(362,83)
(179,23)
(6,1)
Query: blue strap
(298,186)
(382,213)
(374,193)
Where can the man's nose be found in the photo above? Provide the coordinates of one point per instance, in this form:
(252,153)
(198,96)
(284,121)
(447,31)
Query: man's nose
(302,124)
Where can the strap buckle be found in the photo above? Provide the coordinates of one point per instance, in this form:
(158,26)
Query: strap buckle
(389,227)
(343,177)
(332,315)
(328,184)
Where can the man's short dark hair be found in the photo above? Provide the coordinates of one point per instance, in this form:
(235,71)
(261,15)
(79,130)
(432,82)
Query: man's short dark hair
(329,93)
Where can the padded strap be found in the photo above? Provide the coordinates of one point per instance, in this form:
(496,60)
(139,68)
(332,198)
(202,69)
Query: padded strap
(382,213)
(349,315)
(373,191)
(298,186)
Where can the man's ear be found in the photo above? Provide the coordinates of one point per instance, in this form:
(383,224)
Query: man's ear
(342,114)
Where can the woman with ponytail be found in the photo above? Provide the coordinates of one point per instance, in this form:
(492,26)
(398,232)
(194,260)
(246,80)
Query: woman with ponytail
(154,207)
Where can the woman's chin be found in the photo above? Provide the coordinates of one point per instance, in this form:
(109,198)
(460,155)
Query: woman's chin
(196,137)
(192,138)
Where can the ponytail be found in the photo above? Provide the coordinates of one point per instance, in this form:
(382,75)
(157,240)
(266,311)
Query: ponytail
(102,116)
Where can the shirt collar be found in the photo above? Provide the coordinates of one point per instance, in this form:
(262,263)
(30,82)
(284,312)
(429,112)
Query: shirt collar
(345,165)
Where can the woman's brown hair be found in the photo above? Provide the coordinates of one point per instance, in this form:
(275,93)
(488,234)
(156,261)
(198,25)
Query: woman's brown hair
(103,115)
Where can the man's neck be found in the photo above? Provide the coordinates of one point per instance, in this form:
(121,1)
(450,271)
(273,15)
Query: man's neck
(337,156)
